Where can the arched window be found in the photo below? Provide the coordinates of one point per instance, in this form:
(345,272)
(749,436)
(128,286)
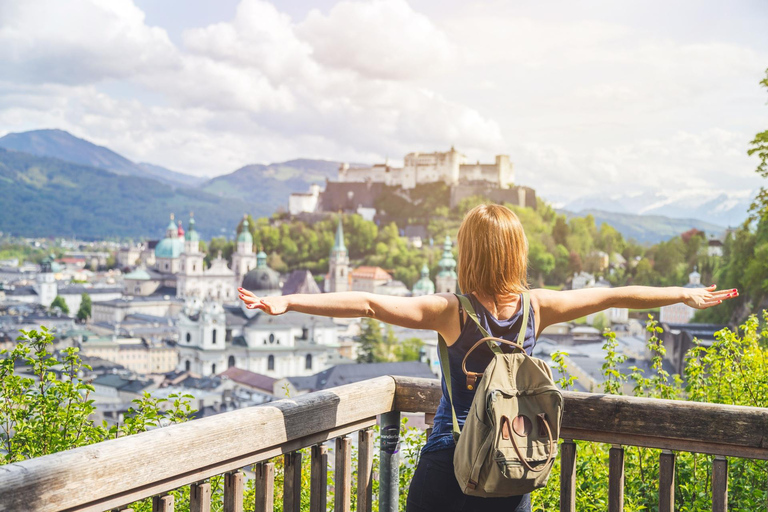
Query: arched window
(213,369)
(308,362)
(271,338)
(189,338)
(271,363)
(187,366)
(213,336)
(231,362)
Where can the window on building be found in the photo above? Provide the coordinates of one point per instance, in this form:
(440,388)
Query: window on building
(271,338)
(308,362)
(189,338)
(228,335)
(213,336)
(213,369)
(271,363)
(194,267)
(304,333)
(231,362)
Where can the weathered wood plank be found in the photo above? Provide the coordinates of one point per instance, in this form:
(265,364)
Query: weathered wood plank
(292,482)
(168,458)
(264,487)
(720,484)
(365,471)
(162,503)
(616,479)
(318,486)
(568,476)
(417,395)
(234,486)
(343,475)
(200,497)
(667,482)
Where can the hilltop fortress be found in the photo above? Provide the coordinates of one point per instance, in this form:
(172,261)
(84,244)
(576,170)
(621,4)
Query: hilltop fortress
(357,189)
(450,167)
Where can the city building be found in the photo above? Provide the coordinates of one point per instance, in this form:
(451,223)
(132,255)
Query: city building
(179,268)
(214,338)
(368,279)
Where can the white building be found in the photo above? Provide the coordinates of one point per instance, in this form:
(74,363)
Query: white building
(305,202)
(214,338)
(180,264)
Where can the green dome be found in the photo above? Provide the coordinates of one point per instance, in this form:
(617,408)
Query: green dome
(169,248)
(424,286)
(261,260)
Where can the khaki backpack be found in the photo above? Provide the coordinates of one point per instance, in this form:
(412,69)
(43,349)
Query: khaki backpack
(509,441)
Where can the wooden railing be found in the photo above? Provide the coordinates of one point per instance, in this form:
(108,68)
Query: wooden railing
(113,474)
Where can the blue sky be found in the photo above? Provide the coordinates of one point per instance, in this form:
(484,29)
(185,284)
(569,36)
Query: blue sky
(598,97)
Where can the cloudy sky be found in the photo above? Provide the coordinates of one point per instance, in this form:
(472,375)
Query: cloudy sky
(588,96)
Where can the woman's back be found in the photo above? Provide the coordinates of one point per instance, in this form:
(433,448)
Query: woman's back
(507,329)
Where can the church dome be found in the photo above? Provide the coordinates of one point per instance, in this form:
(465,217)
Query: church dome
(261,279)
(424,286)
(245,234)
(169,248)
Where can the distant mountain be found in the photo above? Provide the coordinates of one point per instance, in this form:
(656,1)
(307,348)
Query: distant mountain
(65,146)
(716,207)
(269,186)
(48,197)
(163,174)
(647,228)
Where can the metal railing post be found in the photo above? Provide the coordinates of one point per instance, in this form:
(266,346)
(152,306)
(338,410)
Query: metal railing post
(389,462)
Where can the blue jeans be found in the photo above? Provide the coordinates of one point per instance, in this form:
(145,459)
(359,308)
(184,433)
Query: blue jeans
(434,488)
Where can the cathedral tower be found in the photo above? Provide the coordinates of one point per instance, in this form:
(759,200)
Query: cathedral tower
(243,259)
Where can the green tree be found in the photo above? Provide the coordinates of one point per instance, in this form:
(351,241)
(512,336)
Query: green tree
(409,349)
(370,340)
(759,147)
(84,312)
(60,303)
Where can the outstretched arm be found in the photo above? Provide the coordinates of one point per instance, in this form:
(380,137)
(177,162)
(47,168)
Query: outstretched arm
(425,312)
(564,306)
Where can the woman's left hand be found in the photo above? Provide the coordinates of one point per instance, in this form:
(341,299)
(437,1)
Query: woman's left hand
(703,298)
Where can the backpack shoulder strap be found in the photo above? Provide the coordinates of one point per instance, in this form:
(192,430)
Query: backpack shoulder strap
(445,365)
(526,311)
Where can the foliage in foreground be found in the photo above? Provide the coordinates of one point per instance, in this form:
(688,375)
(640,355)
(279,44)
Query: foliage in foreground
(50,412)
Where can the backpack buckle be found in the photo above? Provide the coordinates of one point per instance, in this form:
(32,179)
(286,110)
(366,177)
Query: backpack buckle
(472,380)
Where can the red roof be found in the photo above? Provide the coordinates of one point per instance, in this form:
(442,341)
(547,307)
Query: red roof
(371,273)
(251,379)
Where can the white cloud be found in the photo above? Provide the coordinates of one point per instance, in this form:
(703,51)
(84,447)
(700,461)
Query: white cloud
(378,39)
(580,105)
(79,41)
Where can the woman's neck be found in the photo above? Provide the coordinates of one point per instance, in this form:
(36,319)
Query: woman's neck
(500,306)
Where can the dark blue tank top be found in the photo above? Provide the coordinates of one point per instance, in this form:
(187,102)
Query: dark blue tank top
(442,435)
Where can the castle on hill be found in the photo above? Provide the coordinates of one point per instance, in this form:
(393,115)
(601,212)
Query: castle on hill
(358,189)
(450,167)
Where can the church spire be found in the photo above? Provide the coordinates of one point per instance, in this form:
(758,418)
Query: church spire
(338,245)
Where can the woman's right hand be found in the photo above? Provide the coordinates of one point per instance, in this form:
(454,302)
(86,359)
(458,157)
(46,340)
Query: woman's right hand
(270,305)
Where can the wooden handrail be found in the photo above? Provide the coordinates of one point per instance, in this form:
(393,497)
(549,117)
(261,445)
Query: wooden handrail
(728,430)
(117,472)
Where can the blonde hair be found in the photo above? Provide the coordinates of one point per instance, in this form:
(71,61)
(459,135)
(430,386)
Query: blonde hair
(493,252)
